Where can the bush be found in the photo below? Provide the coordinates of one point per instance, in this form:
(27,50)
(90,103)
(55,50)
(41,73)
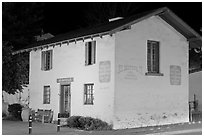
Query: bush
(15,111)
(11,118)
(87,123)
(73,122)
(3,114)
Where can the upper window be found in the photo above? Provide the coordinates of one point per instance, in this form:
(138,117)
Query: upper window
(46,60)
(46,95)
(90,53)
(88,94)
(153,57)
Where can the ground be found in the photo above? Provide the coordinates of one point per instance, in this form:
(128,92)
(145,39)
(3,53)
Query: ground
(21,128)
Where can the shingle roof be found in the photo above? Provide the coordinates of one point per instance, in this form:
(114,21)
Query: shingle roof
(112,27)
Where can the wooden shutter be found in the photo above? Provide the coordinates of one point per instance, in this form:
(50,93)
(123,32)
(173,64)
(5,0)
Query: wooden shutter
(51,60)
(43,60)
(86,53)
(44,95)
(49,94)
(85,97)
(157,57)
(149,56)
(93,52)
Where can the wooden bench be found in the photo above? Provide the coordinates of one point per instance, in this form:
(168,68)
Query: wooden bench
(42,115)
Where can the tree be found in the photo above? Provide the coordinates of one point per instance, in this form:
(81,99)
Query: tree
(100,12)
(15,69)
(20,22)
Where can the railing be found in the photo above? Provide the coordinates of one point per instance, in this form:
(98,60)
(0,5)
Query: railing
(194,114)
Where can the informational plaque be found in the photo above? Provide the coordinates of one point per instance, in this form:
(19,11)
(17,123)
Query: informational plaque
(104,71)
(175,75)
(65,80)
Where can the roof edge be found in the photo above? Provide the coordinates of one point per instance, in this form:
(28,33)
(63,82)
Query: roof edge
(184,23)
(156,12)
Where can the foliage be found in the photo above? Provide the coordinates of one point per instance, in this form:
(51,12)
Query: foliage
(20,23)
(15,111)
(15,69)
(87,123)
(73,122)
(3,114)
(100,12)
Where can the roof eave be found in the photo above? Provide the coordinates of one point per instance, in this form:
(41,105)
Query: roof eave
(188,32)
(195,37)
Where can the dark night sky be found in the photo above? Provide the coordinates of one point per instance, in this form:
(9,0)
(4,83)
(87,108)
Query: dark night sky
(64,17)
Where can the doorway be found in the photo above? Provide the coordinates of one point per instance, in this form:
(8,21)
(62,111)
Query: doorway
(65,99)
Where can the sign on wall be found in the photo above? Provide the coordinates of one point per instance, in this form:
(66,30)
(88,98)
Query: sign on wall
(65,80)
(129,72)
(175,75)
(104,71)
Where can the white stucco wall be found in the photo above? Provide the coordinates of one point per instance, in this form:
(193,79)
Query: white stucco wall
(195,87)
(20,97)
(69,61)
(142,100)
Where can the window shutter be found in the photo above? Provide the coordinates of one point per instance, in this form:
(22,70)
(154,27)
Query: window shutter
(149,56)
(85,94)
(43,60)
(46,60)
(51,58)
(86,53)
(157,56)
(93,52)
(49,94)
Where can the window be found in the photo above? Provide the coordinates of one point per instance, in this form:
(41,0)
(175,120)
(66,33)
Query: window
(90,53)
(46,60)
(153,57)
(88,94)
(46,95)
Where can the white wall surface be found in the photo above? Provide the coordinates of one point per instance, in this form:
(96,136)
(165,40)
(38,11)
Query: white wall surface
(142,100)
(195,87)
(20,97)
(69,61)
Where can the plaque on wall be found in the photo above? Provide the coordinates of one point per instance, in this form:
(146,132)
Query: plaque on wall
(175,75)
(104,71)
(65,80)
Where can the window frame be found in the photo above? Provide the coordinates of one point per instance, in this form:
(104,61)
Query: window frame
(90,53)
(46,96)
(46,60)
(89,93)
(153,58)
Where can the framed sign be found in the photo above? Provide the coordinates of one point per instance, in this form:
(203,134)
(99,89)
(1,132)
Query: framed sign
(175,75)
(104,71)
(65,80)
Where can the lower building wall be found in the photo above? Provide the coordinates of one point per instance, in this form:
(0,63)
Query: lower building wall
(135,120)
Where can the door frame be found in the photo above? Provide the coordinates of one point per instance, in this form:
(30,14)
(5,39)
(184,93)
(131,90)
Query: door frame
(69,100)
